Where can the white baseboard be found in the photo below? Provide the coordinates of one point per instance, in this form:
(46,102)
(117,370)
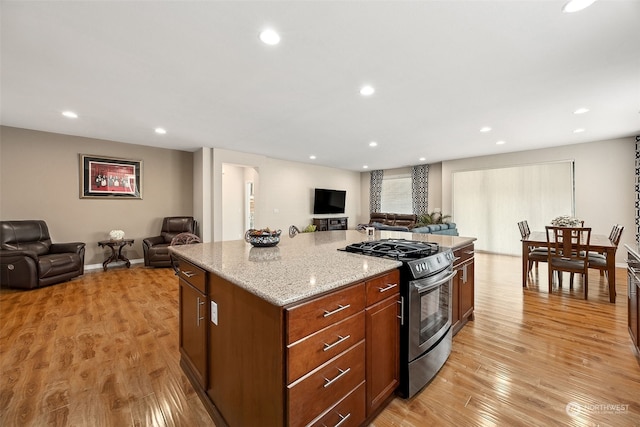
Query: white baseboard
(99,266)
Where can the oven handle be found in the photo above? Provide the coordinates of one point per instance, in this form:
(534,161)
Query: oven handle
(430,286)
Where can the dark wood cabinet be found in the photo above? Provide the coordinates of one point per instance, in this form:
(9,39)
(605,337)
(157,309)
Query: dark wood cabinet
(466,291)
(463,287)
(327,224)
(349,412)
(325,355)
(382,352)
(633,298)
(193,320)
(246,358)
(382,340)
(332,359)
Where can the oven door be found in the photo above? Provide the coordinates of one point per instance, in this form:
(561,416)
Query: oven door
(430,311)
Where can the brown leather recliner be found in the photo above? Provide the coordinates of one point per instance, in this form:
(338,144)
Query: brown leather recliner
(156,249)
(28,258)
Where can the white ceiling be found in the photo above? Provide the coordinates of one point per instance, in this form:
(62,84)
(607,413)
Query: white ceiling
(441,69)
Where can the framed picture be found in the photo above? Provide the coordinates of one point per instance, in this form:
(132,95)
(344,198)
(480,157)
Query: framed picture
(107,177)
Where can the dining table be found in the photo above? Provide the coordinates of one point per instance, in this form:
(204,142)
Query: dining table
(598,243)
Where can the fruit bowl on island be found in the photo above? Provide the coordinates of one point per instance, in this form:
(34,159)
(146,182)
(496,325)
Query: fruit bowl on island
(262,238)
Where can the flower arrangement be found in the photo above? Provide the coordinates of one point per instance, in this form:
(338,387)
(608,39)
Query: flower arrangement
(566,221)
(116,234)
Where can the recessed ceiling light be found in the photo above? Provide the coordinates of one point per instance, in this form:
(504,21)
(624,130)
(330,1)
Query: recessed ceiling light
(485,129)
(373,144)
(581,111)
(70,114)
(422,159)
(270,37)
(160,131)
(579,130)
(312,157)
(367,90)
(576,5)
(365,167)
(500,142)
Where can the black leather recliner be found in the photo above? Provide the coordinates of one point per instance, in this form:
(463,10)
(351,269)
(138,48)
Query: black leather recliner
(156,249)
(28,258)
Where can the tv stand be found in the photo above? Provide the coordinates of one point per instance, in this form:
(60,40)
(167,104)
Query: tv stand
(334,223)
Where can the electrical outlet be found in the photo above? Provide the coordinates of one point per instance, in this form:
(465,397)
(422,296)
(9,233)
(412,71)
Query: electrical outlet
(214,312)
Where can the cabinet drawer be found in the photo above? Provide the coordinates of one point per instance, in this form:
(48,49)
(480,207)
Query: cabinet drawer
(349,412)
(463,254)
(321,389)
(382,287)
(309,317)
(313,350)
(193,275)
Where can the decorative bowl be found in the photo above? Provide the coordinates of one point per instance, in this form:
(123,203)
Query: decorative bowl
(262,238)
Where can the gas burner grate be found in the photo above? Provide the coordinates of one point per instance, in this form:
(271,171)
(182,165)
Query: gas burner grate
(395,248)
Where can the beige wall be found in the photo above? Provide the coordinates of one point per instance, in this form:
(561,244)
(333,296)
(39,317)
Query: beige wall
(233,192)
(284,190)
(39,179)
(604,181)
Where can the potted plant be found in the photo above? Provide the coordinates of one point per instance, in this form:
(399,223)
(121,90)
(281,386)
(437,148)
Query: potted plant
(435,217)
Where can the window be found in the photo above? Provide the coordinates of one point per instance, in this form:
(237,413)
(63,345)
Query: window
(396,194)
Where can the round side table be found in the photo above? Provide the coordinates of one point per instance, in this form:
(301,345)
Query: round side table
(115,255)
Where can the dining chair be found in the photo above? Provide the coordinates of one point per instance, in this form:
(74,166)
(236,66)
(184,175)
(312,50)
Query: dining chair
(568,252)
(536,255)
(293,231)
(598,260)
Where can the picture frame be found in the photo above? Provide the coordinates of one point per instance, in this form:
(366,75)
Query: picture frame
(110,178)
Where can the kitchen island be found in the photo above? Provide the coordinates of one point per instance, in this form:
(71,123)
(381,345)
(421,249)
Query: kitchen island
(296,334)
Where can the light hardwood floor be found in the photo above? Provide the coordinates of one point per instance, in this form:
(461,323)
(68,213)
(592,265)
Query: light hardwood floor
(102,350)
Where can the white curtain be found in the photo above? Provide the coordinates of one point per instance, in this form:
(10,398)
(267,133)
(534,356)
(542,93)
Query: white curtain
(396,194)
(488,204)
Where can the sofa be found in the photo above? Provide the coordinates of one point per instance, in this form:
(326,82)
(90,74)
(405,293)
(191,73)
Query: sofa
(28,258)
(448,228)
(408,222)
(377,219)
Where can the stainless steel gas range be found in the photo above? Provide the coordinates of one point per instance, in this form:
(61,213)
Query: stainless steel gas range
(426,306)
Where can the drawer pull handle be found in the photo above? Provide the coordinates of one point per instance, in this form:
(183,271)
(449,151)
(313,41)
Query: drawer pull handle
(343,418)
(198,317)
(342,373)
(330,346)
(389,287)
(469,252)
(188,273)
(340,308)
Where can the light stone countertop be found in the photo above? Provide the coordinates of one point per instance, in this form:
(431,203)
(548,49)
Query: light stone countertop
(304,266)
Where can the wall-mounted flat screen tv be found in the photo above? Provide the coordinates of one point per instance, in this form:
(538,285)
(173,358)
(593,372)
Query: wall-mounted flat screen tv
(329,201)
